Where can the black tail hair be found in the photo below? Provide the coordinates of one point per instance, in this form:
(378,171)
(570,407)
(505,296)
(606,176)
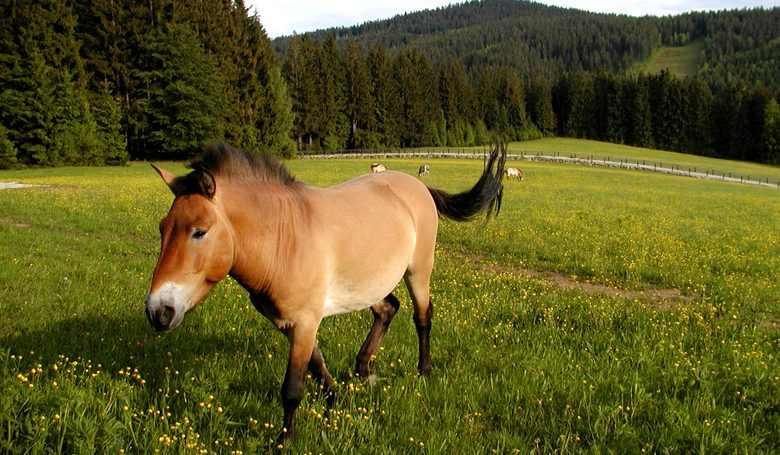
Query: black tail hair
(483,197)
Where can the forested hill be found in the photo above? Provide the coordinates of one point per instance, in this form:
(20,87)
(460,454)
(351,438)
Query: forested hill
(526,36)
(92,82)
(541,40)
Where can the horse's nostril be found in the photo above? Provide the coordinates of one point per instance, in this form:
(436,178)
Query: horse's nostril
(165,315)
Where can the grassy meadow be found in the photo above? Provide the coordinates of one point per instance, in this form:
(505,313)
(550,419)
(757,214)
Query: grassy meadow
(603,311)
(682,61)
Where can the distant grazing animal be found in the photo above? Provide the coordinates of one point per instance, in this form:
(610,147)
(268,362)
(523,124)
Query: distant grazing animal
(305,253)
(514,172)
(376,168)
(424,170)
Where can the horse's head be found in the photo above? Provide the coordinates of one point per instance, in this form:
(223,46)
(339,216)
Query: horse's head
(196,251)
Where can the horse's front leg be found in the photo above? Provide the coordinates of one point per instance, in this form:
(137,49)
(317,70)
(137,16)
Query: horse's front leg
(302,338)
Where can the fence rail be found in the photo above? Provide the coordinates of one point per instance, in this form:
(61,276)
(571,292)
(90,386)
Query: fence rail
(551,156)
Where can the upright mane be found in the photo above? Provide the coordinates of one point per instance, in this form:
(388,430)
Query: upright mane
(220,160)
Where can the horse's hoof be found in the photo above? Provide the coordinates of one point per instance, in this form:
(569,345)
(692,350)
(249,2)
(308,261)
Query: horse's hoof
(370,380)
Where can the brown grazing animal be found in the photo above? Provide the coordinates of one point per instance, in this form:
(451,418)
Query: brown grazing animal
(305,253)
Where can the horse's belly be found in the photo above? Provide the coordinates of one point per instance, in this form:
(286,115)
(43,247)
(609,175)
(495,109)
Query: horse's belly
(348,296)
(334,307)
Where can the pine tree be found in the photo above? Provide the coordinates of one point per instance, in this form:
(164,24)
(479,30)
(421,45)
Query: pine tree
(456,98)
(540,105)
(607,91)
(186,100)
(562,103)
(509,95)
(262,94)
(44,103)
(581,116)
(277,136)
(726,125)
(752,115)
(385,95)
(666,111)
(359,106)
(697,136)
(635,111)
(300,73)
(334,125)
(771,133)
(415,81)
(7,150)
(108,115)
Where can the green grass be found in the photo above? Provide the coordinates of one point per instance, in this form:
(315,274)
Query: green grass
(682,61)
(614,152)
(522,364)
(589,149)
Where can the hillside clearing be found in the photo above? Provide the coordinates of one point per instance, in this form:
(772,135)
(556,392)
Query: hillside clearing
(681,61)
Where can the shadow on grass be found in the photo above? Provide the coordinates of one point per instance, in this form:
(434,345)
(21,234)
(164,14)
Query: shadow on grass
(192,349)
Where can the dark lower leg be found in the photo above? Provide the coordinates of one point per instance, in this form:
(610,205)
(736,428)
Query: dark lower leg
(320,373)
(384,312)
(423,325)
(292,394)
(302,338)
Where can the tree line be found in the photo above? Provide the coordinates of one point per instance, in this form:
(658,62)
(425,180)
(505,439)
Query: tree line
(539,40)
(374,100)
(105,81)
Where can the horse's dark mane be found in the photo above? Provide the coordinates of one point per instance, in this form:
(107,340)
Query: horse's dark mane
(222,160)
(230,163)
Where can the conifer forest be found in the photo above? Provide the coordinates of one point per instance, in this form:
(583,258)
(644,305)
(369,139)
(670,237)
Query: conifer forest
(103,82)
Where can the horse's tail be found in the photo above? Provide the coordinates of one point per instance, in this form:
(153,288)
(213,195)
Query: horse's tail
(483,197)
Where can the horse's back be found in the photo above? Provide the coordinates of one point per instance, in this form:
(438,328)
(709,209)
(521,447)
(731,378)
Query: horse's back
(388,187)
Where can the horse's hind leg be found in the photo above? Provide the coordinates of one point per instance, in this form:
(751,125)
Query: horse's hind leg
(384,311)
(419,290)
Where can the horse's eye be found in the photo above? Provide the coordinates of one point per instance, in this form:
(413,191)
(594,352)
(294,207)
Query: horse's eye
(198,234)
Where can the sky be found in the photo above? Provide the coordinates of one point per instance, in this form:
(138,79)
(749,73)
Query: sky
(283,17)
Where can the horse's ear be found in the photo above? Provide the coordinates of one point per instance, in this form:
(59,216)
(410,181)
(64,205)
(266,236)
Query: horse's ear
(208,186)
(168,178)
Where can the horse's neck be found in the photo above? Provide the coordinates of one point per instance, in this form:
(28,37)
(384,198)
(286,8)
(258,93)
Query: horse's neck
(265,222)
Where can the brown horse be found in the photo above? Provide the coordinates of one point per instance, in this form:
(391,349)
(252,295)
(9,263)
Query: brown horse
(514,172)
(305,253)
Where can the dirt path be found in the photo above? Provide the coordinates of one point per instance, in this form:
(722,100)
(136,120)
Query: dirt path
(9,185)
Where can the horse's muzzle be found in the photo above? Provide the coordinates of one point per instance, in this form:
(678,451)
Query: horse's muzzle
(161,318)
(162,310)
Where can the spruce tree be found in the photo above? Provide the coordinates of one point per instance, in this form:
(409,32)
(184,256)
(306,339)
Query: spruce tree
(108,116)
(386,97)
(44,101)
(607,91)
(359,105)
(771,135)
(696,134)
(277,136)
(186,100)
(297,71)
(540,105)
(635,111)
(7,150)
(334,125)
(581,115)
